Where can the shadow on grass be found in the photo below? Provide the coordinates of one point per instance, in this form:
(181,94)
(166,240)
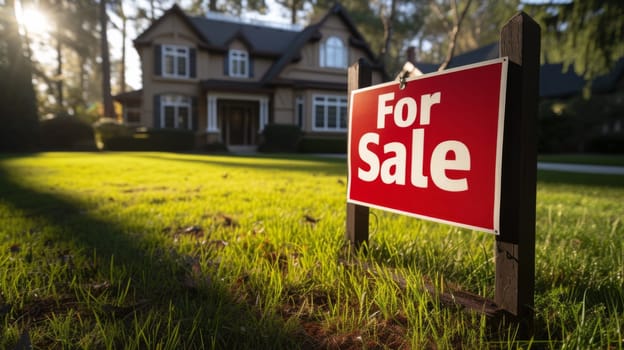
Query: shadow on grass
(300,163)
(207,314)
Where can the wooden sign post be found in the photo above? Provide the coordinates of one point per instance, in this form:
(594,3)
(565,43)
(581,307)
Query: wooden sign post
(514,214)
(360,75)
(515,246)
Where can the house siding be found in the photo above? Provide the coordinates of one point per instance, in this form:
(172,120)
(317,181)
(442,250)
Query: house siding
(284,106)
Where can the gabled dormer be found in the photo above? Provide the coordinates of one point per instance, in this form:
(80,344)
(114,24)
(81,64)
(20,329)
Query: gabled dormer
(238,61)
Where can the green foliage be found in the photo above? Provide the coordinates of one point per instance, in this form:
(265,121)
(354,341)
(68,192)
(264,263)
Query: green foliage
(576,124)
(113,137)
(587,35)
(481,26)
(181,251)
(280,138)
(107,129)
(66,133)
(320,144)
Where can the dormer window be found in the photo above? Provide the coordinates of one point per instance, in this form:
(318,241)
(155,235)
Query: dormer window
(175,61)
(238,61)
(333,53)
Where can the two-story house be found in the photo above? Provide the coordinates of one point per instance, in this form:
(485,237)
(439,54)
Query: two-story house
(227,79)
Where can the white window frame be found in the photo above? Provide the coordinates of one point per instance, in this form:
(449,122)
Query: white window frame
(176,52)
(238,64)
(333,53)
(177,102)
(325,102)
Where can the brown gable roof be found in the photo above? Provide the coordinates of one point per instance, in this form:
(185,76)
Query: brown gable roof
(261,40)
(285,45)
(175,10)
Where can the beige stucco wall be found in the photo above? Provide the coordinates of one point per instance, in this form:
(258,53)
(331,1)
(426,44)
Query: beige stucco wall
(284,106)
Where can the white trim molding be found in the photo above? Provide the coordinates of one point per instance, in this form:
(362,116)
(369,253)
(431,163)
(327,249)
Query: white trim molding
(212,111)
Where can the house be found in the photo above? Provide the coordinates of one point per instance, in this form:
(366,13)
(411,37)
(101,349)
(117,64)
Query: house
(227,80)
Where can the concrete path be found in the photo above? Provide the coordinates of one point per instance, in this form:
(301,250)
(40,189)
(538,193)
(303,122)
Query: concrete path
(581,168)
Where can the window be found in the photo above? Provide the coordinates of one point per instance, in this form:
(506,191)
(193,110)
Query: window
(239,64)
(175,61)
(333,53)
(132,113)
(175,112)
(330,113)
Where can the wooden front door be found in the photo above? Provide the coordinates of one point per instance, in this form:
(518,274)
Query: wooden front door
(240,122)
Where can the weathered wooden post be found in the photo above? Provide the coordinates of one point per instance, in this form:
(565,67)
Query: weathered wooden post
(359,76)
(515,246)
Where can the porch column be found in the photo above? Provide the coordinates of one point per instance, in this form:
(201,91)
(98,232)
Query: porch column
(211,109)
(264,113)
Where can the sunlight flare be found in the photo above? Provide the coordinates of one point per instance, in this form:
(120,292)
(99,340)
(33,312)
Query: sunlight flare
(32,20)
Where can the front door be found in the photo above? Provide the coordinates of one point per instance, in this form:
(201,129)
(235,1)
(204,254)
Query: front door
(240,122)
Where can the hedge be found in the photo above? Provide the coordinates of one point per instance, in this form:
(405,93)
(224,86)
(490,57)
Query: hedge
(66,133)
(122,138)
(607,144)
(280,138)
(311,144)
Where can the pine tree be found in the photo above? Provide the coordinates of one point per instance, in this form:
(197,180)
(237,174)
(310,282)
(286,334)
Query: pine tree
(18,110)
(587,35)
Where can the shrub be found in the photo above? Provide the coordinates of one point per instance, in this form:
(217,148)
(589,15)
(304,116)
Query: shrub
(607,144)
(171,139)
(66,133)
(310,144)
(280,138)
(151,140)
(107,129)
(215,147)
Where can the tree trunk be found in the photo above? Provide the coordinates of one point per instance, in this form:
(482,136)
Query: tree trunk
(107,100)
(18,108)
(293,12)
(388,23)
(457,21)
(59,73)
(122,71)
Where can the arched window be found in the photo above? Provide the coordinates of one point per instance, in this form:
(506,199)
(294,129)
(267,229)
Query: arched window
(333,53)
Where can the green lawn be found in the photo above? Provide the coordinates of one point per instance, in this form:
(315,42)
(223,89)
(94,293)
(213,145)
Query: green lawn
(181,251)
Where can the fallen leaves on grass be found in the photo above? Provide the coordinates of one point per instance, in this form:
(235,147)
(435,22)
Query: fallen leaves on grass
(193,276)
(386,334)
(227,221)
(194,231)
(311,220)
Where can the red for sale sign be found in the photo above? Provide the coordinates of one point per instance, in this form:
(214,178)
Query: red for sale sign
(432,149)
